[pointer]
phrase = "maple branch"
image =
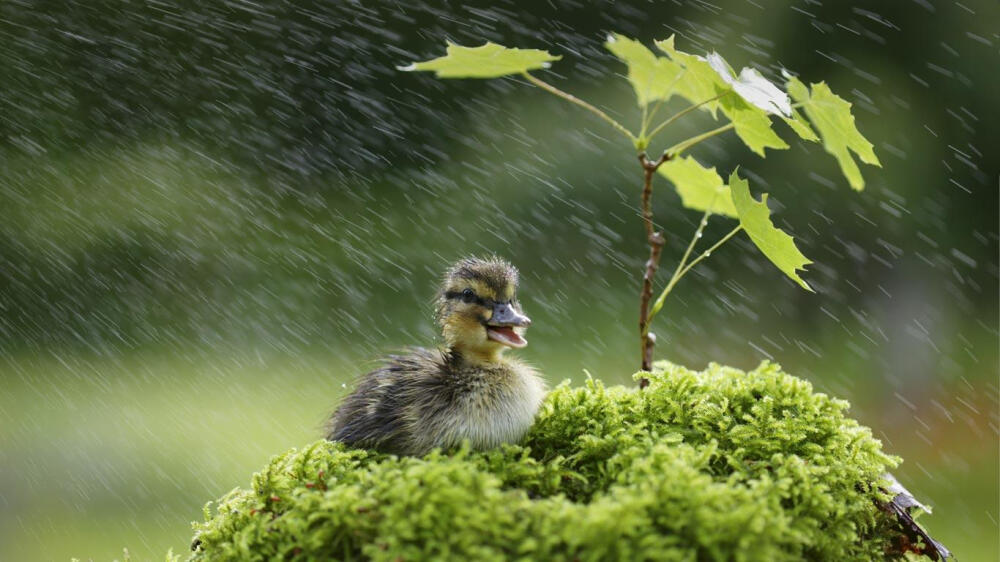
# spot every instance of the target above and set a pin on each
(656, 242)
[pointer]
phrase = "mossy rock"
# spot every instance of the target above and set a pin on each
(712, 465)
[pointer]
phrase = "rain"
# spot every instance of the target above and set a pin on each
(217, 215)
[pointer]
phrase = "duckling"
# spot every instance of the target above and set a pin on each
(465, 391)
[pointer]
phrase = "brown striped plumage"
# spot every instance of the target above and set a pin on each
(465, 391)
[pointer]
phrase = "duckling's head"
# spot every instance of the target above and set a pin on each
(478, 310)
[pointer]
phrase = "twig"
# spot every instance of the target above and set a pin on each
(656, 241)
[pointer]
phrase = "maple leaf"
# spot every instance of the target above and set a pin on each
(652, 77)
(700, 82)
(486, 61)
(831, 116)
(752, 124)
(752, 87)
(698, 186)
(773, 242)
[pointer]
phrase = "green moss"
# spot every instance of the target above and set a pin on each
(713, 465)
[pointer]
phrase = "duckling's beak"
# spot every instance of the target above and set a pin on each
(500, 327)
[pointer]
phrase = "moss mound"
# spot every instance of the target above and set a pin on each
(713, 465)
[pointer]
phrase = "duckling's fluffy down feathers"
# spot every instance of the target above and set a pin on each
(426, 399)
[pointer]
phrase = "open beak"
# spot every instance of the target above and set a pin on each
(500, 327)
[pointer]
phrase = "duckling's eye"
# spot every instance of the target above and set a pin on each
(468, 295)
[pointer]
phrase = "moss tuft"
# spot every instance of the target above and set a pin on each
(712, 465)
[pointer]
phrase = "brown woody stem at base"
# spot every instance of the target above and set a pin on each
(656, 242)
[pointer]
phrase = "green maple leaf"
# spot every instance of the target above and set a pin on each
(752, 124)
(752, 86)
(698, 186)
(799, 124)
(831, 116)
(773, 242)
(700, 82)
(487, 61)
(652, 77)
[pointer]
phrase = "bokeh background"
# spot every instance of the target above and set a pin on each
(215, 215)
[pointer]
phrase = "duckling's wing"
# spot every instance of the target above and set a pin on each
(373, 415)
(369, 416)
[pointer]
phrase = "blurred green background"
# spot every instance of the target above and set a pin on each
(215, 216)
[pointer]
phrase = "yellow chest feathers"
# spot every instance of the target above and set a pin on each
(498, 408)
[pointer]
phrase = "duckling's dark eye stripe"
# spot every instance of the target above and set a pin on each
(459, 295)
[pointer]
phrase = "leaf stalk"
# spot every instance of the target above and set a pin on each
(678, 115)
(683, 267)
(575, 100)
(684, 145)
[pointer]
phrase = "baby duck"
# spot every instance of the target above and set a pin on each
(465, 391)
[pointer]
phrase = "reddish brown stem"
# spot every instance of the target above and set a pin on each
(656, 241)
